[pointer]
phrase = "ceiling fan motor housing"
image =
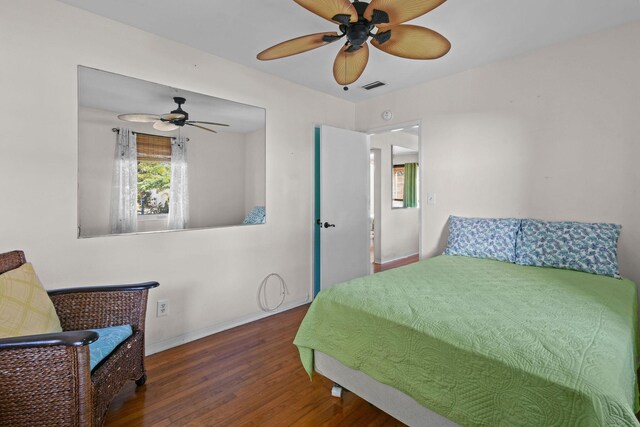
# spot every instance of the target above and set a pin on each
(179, 122)
(358, 32)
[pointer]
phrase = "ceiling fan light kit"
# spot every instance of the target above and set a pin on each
(357, 22)
(171, 121)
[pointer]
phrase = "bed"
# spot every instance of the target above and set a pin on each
(460, 340)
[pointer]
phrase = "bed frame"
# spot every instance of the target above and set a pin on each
(387, 398)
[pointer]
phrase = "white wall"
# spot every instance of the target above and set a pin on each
(254, 191)
(550, 135)
(209, 276)
(96, 155)
(396, 232)
(217, 174)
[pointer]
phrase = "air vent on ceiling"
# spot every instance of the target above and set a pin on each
(373, 85)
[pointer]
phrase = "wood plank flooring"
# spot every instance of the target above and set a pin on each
(394, 264)
(247, 376)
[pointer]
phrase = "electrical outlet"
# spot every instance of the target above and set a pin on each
(163, 308)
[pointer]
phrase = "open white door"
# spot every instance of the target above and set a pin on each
(344, 211)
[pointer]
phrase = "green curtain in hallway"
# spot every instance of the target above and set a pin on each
(410, 181)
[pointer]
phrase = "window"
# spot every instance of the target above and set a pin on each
(154, 174)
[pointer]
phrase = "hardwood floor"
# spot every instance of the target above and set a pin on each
(247, 376)
(394, 264)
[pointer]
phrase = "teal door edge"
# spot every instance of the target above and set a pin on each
(316, 232)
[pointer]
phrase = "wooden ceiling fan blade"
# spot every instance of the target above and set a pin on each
(414, 42)
(201, 127)
(164, 126)
(139, 118)
(400, 11)
(328, 9)
(297, 45)
(206, 123)
(350, 64)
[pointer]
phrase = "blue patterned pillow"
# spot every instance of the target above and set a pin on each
(493, 238)
(257, 215)
(572, 245)
(108, 340)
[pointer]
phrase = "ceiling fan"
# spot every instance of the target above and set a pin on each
(356, 22)
(170, 121)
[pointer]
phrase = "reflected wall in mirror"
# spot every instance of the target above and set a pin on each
(405, 192)
(169, 165)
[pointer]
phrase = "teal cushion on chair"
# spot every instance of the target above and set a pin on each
(109, 339)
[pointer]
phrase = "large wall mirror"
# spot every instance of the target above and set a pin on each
(173, 160)
(404, 174)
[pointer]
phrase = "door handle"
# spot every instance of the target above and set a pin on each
(326, 224)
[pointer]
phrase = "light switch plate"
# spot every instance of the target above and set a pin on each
(431, 198)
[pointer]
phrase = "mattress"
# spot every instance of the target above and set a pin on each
(394, 402)
(483, 342)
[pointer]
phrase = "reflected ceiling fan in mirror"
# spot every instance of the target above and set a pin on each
(357, 21)
(170, 121)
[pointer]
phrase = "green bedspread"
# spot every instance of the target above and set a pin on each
(487, 343)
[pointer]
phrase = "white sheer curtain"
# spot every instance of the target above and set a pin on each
(179, 193)
(125, 184)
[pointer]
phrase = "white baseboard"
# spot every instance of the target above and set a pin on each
(201, 333)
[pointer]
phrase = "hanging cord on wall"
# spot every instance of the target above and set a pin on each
(262, 292)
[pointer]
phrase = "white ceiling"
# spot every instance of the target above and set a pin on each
(480, 31)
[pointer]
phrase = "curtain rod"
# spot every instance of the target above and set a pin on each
(150, 134)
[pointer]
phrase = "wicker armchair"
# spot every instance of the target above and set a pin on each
(46, 379)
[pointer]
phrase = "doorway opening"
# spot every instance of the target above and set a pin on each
(394, 197)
